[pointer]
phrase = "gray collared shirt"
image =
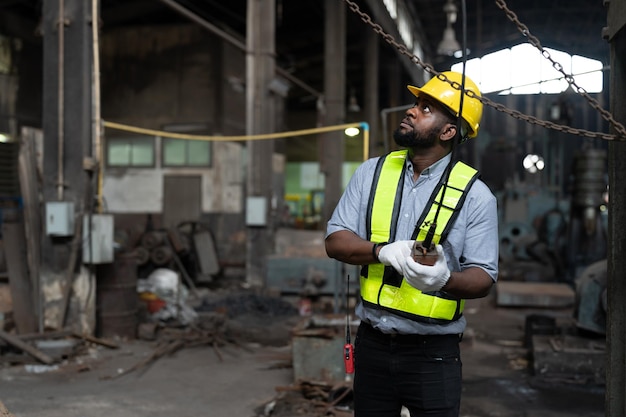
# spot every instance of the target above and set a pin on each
(472, 241)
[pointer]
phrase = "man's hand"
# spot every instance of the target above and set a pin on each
(427, 278)
(395, 254)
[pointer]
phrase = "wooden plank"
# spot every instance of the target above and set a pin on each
(207, 255)
(29, 185)
(68, 282)
(27, 337)
(18, 343)
(19, 281)
(96, 340)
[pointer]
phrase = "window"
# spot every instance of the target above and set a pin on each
(523, 70)
(130, 151)
(186, 153)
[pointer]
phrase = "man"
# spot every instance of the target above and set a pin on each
(407, 345)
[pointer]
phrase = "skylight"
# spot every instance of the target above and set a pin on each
(523, 70)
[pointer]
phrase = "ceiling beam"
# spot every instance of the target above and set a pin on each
(237, 42)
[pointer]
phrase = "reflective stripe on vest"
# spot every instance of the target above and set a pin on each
(382, 287)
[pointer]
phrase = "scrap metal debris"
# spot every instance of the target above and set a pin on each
(212, 331)
(311, 399)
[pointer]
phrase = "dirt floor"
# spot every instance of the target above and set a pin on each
(241, 365)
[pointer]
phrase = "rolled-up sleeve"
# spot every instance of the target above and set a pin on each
(350, 212)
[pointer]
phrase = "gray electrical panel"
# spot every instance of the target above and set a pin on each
(98, 239)
(60, 218)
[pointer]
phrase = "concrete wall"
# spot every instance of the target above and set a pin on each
(171, 75)
(128, 190)
(163, 75)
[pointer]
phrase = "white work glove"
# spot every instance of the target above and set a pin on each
(395, 254)
(427, 278)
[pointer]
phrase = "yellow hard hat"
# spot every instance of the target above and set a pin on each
(450, 97)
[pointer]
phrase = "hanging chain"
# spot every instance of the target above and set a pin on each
(557, 66)
(621, 131)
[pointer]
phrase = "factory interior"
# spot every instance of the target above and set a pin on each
(168, 167)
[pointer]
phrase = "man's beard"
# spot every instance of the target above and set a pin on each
(415, 139)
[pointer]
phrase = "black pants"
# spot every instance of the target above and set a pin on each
(422, 373)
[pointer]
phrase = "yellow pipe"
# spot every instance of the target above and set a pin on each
(153, 132)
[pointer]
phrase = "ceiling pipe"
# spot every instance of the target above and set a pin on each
(61, 100)
(97, 108)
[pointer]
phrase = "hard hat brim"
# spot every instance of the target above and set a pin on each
(416, 91)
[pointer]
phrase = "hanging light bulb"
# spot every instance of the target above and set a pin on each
(353, 104)
(449, 45)
(451, 11)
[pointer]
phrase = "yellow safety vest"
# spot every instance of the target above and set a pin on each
(382, 287)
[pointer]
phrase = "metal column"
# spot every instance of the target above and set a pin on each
(67, 117)
(371, 89)
(260, 117)
(615, 405)
(332, 145)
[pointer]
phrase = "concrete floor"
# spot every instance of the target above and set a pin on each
(193, 382)
(197, 382)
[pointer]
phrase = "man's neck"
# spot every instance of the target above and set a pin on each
(423, 158)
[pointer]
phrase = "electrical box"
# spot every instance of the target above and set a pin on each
(60, 218)
(256, 211)
(98, 238)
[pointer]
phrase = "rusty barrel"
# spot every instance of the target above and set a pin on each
(116, 297)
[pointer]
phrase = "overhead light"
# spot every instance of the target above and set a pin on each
(449, 45)
(450, 9)
(533, 163)
(459, 53)
(353, 105)
(279, 86)
(351, 131)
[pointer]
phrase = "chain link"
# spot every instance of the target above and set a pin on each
(621, 131)
(568, 77)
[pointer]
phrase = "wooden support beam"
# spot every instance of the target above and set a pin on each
(96, 340)
(20, 344)
(19, 280)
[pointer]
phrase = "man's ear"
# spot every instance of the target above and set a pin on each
(448, 132)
